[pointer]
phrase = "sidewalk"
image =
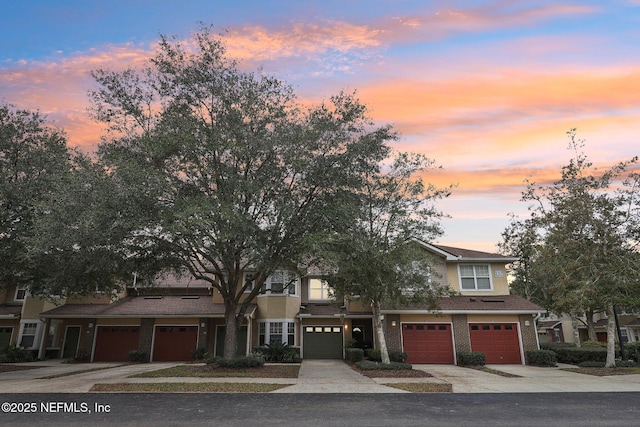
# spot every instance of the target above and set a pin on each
(324, 376)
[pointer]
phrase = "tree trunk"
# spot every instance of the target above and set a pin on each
(231, 334)
(377, 325)
(590, 326)
(576, 332)
(611, 337)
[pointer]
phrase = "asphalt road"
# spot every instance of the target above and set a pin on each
(200, 409)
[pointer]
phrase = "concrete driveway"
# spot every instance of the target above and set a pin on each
(323, 376)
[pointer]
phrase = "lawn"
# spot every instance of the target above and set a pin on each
(187, 387)
(209, 371)
(422, 387)
(11, 367)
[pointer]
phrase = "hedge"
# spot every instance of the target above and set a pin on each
(354, 354)
(541, 358)
(471, 358)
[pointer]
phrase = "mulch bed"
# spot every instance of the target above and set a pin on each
(266, 371)
(11, 368)
(387, 373)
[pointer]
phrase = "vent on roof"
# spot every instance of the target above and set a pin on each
(153, 297)
(492, 299)
(191, 297)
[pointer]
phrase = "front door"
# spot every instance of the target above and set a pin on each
(71, 339)
(5, 336)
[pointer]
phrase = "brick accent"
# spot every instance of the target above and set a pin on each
(146, 336)
(529, 333)
(461, 333)
(392, 333)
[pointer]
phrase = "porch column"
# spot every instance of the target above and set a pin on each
(43, 341)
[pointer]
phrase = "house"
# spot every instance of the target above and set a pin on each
(20, 323)
(560, 329)
(169, 320)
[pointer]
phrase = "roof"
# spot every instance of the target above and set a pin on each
(460, 254)
(10, 311)
(547, 324)
(634, 322)
(328, 310)
(147, 306)
(505, 304)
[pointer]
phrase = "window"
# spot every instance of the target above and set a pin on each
(29, 334)
(275, 332)
(21, 293)
(248, 279)
(319, 290)
(281, 282)
(475, 277)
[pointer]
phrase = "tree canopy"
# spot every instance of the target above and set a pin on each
(579, 247)
(378, 260)
(224, 170)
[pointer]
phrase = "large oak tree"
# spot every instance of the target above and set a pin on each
(225, 170)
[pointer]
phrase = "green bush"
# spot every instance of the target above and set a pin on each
(354, 354)
(577, 355)
(626, 364)
(137, 356)
(369, 365)
(556, 345)
(374, 354)
(475, 358)
(591, 364)
(15, 354)
(633, 350)
(198, 353)
(589, 343)
(541, 358)
(398, 356)
(279, 352)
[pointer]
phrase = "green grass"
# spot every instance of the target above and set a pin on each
(187, 387)
(422, 387)
(200, 371)
(83, 371)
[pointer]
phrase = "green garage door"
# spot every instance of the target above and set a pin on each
(322, 342)
(5, 336)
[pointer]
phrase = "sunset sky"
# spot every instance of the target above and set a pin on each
(488, 89)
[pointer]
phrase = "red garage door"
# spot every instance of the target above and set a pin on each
(173, 343)
(113, 343)
(427, 343)
(499, 342)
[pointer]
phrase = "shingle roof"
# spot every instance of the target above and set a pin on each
(501, 303)
(145, 307)
(323, 310)
(10, 310)
(471, 254)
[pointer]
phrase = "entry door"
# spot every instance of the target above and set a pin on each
(71, 339)
(5, 336)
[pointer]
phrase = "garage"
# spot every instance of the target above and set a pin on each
(499, 342)
(428, 343)
(322, 342)
(173, 343)
(5, 336)
(113, 343)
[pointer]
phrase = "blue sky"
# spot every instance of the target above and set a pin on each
(487, 89)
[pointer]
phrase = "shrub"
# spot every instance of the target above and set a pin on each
(471, 358)
(279, 352)
(594, 344)
(626, 364)
(577, 355)
(556, 345)
(398, 356)
(15, 354)
(368, 365)
(541, 358)
(350, 343)
(591, 364)
(374, 354)
(354, 354)
(239, 362)
(198, 353)
(633, 350)
(137, 356)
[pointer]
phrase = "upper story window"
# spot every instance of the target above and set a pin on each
(319, 290)
(475, 277)
(22, 292)
(281, 282)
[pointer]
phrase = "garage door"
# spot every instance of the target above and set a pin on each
(113, 343)
(428, 343)
(172, 343)
(499, 342)
(322, 342)
(5, 336)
